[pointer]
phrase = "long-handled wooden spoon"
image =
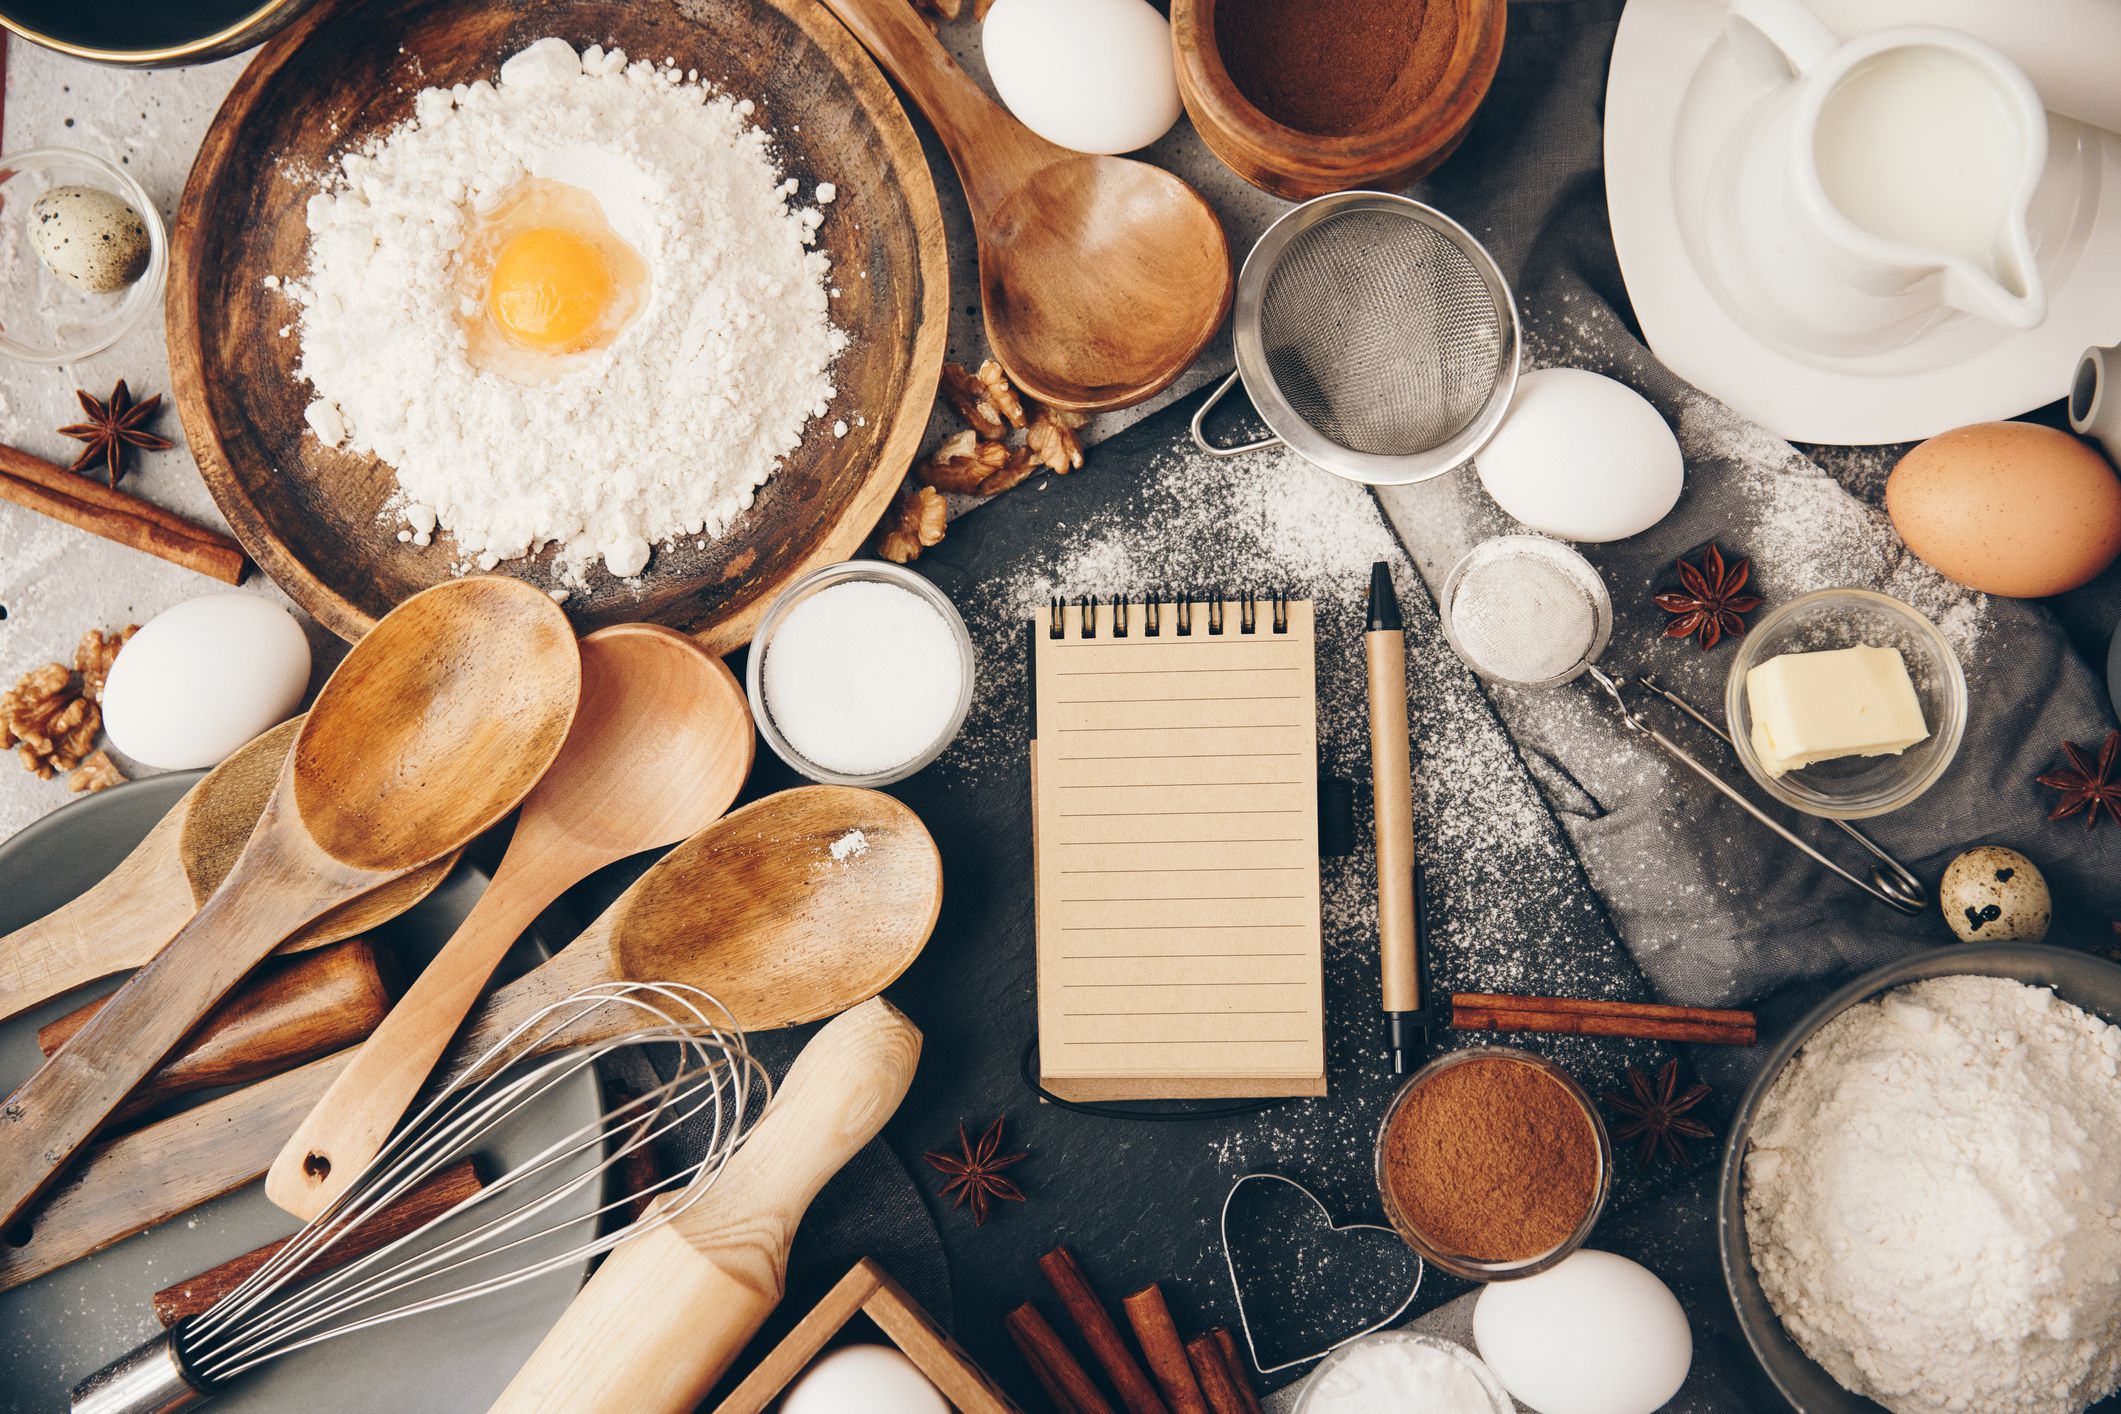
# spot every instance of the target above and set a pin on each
(660, 747)
(1102, 278)
(670, 1310)
(437, 724)
(756, 909)
(139, 906)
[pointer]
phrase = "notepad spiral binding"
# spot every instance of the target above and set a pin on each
(1154, 604)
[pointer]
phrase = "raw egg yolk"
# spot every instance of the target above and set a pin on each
(550, 289)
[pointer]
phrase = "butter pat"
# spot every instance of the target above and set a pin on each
(1812, 707)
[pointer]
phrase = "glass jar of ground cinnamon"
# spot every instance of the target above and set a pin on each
(1493, 1163)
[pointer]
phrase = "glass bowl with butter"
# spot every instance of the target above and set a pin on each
(1845, 703)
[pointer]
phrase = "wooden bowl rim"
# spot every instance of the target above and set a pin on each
(1217, 105)
(909, 419)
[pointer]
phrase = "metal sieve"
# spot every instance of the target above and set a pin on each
(1375, 337)
(1533, 612)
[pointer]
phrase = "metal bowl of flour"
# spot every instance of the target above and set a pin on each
(2082, 979)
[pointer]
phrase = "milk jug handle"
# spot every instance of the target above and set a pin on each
(1778, 37)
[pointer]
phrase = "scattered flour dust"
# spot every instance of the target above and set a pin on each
(1933, 1196)
(665, 433)
(1808, 532)
(852, 845)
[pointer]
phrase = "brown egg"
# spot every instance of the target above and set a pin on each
(2008, 508)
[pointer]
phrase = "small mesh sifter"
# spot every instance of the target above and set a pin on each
(1376, 338)
(1532, 612)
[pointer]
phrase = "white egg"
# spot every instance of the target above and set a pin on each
(1582, 457)
(1596, 1334)
(199, 680)
(1091, 75)
(873, 1378)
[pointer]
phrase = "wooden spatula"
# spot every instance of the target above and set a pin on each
(669, 1311)
(755, 909)
(128, 917)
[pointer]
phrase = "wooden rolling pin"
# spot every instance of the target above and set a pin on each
(291, 1012)
(668, 1313)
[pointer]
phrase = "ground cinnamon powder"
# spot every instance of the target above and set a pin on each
(1335, 67)
(1492, 1159)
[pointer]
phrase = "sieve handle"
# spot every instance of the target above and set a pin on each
(1216, 449)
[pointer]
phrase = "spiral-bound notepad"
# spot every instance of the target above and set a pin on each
(1174, 797)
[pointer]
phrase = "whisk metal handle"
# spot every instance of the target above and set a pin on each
(152, 1379)
(1217, 449)
(671, 1309)
(1903, 892)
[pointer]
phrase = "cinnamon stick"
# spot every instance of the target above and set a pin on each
(1572, 1016)
(52, 490)
(425, 1203)
(1227, 1343)
(1164, 1349)
(1217, 1380)
(1099, 1332)
(1058, 1372)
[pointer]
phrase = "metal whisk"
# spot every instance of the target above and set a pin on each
(513, 1230)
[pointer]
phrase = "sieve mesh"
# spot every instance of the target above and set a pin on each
(1381, 332)
(1524, 610)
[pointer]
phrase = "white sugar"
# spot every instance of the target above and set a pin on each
(861, 677)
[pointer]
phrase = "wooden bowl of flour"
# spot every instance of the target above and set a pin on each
(319, 521)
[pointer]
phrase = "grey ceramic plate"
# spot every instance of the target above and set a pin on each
(2078, 978)
(66, 1325)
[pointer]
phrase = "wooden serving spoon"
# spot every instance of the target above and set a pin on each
(754, 910)
(435, 726)
(670, 1310)
(139, 906)
(660, 747)
(1102, 278)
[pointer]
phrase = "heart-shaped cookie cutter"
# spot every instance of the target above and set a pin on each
(1237, 1289)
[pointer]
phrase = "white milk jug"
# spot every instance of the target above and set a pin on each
(1882, 189)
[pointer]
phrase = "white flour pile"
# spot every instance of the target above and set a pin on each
(665, 433)
(1933, 1196)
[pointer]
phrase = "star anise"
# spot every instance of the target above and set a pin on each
(2087, 786)
(1655, 1115)
(1708, 604)
(112, 427)
(975, 1180)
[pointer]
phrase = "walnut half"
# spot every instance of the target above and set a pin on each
(914, 522)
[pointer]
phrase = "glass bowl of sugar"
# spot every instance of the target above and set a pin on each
(860, 674)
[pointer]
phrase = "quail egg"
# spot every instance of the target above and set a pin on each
(1995, 895)
(90, 238)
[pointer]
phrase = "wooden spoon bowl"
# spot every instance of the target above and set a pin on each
(1085, 239)
(406, 712)
(1102, 278)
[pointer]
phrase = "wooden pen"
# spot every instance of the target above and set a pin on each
(1392, 796)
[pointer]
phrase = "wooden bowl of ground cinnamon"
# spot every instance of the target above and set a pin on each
(1493, 1163)
(1332, 95)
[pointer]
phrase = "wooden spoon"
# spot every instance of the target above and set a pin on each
(1102, 278)
(660, 747)
(670, 1310)
(125, 920)
(435, 726)
(754, 910)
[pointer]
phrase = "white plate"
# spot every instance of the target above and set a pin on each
(1673, 97)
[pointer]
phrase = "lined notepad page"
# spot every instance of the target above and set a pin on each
(1176, 809)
